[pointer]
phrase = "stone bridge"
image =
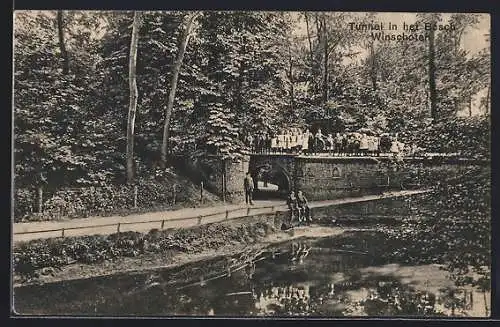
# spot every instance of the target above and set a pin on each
(326, 177)
(330, 177)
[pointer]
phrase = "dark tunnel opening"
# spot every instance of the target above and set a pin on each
(270, 183)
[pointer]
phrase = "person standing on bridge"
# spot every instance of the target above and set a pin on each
(394, 149)
(250, 142)
(363, 145)
(330, 143)
(305, 141)
(262, 143)
(248, 185)
(274, 144)
(338, 143)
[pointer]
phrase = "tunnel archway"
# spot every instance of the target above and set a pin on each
(271, 182)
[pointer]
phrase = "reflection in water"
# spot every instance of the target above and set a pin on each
(299, 251)
(282, 300)
(306, 277)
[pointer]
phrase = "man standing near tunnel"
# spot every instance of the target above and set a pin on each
(303, 204)
(248, 185)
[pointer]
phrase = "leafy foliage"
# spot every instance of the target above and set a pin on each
(451, 226)
(53, 134)
(243, 72)
(31, 257)
(160, 192)
(468, 137)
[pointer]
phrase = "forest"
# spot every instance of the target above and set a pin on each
(105, 98)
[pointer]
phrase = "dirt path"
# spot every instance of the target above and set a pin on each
(182, 218)
(141, 222)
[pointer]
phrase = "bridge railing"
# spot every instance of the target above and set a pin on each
(350, 154)
(422, 156)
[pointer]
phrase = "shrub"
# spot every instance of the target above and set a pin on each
(30, 257)
(106, 200)
(469, 137)
(25, 204)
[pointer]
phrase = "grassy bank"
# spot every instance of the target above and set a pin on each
(48, 256)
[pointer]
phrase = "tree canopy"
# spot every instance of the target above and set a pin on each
(241, 72)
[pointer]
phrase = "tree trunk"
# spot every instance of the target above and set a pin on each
(309, 39)
(40, 199)
(62, 44)
(458, 39)
(290, 76)
(316, 71)
(487, 107)
(486, 310)
(188, 19)
(373, 68)
(133, 97)
(432, 77)
(325, 73)
(470, 106)
(238, 96)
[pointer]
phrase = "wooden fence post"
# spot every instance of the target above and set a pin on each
(135, 196)
(162, 223)
(227, 214)
(201, 192)
(92, 192)
(173, 195)
(224, 184)
(40, 199)
(118, 228)
(62, 232)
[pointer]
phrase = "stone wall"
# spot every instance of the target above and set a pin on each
(330, 178)
(218, 174)
(373, 211)
(398, 207)
(235, 174)
(325, 178)
(321, 178)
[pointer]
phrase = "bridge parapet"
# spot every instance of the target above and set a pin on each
(323, 177)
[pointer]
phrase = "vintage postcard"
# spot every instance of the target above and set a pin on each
(251, 164)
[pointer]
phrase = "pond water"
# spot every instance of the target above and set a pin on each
(308, 276)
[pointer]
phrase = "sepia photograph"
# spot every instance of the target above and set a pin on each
(257, 164)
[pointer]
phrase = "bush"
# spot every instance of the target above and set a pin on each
(25, 203)
(32, 256)
(469, 136)
(83, 202)
(451, 226)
